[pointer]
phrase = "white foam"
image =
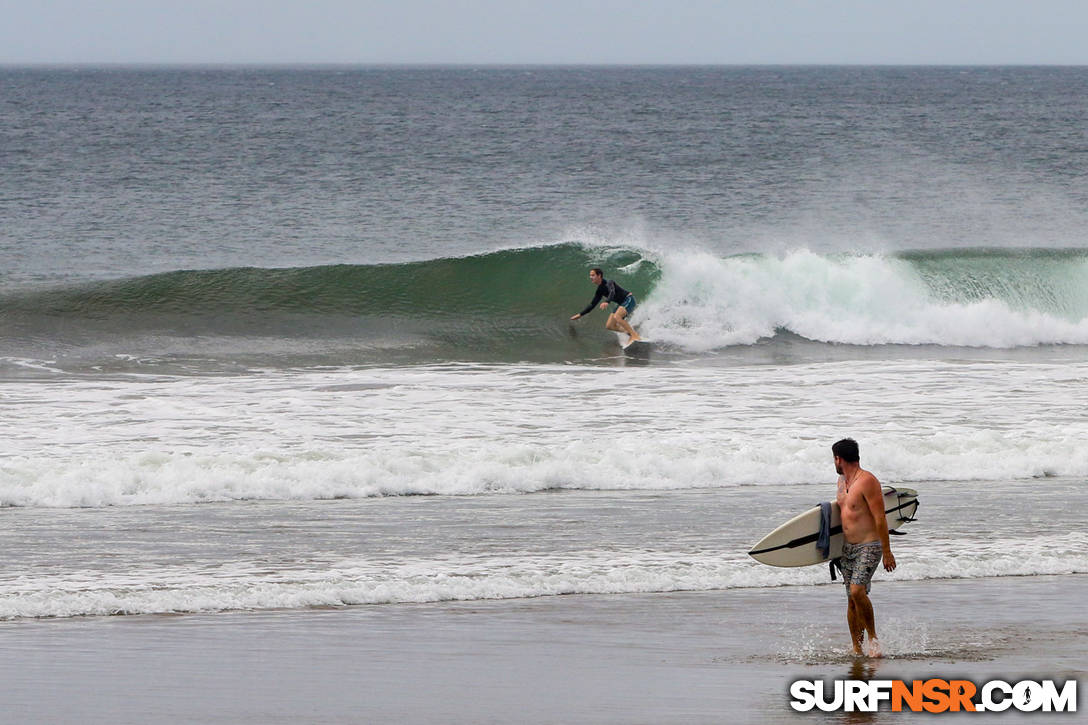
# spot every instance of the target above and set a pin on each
(256, 585)
(48, 366)
(704, 302)
(473, 430)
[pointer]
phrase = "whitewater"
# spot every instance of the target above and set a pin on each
(471, 429)
(474, 481)
(332, 581)
(971, 298)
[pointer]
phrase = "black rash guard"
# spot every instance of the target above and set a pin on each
(608, 291)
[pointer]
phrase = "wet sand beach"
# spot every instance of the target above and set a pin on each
(720, 656)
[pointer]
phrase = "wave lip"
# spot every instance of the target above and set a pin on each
(517, 281)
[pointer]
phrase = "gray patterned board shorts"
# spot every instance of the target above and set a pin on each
(859, 562)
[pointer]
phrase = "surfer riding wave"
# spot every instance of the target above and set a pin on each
(610, 292)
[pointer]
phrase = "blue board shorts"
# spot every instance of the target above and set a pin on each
(859, 563)
(628, 304)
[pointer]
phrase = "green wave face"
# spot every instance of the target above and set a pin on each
(522, 281)
(512, 304)
(1052, 281)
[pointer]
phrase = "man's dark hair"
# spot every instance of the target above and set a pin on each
(597, 271)
(847, 449)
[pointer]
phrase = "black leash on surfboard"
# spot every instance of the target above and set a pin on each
(901, 507)
(913, 511)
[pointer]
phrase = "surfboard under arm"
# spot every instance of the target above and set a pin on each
(794, 542)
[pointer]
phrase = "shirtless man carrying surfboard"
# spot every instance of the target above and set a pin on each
(865, 530)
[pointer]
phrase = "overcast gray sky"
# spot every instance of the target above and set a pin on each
(545, 31)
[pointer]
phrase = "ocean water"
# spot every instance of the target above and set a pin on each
(283, 339)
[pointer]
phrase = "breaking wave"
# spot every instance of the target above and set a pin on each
(515, 304)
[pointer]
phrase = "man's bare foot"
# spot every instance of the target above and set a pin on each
(633, 338)
(875, 650)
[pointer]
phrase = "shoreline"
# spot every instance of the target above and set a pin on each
(686, 657)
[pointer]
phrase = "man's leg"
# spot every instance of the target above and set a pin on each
(857, 626)
(625, 326)
(864, 618)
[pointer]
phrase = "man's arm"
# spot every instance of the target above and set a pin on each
(596, 298)
(874, 497)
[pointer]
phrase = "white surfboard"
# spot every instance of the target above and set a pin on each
(637, 346)
(794, 542)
